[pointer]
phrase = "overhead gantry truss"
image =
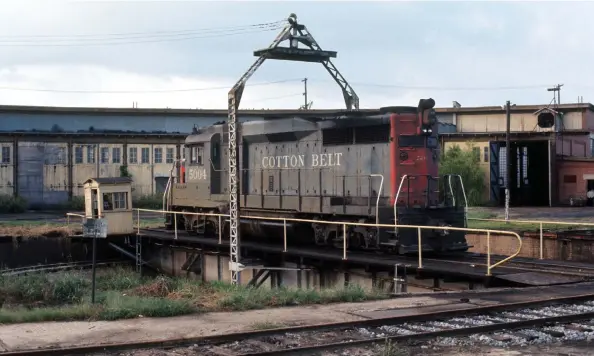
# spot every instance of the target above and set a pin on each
(295, 33)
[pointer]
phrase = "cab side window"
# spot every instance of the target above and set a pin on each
(197, 155)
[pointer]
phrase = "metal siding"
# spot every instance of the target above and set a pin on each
(30, 173)
(6, 172)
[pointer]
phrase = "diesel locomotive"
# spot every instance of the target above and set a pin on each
(377, 167)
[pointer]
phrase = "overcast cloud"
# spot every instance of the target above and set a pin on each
(393, 53)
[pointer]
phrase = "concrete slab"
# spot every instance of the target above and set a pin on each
(539, 278)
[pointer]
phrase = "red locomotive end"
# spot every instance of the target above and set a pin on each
(413, 153)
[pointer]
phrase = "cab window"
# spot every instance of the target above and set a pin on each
(197, 155)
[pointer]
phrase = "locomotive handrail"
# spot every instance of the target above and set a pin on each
(167, 191)
(344, 225)
(379, 194)
(540, 223)
(396, 202)
(463, 194)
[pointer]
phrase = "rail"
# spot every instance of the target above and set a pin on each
(346, 224)
(541, 224)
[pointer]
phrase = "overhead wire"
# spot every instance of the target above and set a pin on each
(205, 29)
(413, 87)
(396, 86)
(226, 87)
(137, 39)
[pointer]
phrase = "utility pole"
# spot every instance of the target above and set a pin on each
(305, 106)
(507, 160)
(557, 88)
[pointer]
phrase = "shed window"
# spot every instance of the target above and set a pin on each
(90, 154)
(133, 155)
(145, 155)
(169, 155)
(115, 201)
(158, 155)
(486, 154)
(115, 155)
(569, 178)
(104, 154)
(5, 154)
(78, 154)
(120, 200)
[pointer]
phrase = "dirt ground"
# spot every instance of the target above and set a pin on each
(63, 334)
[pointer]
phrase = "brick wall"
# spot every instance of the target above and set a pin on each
(566, 249)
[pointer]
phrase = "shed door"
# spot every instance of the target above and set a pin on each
(95, 203)
(494, 171)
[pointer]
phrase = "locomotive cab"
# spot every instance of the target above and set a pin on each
(198, 187)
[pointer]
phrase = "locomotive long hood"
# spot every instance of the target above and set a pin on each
(296, 127)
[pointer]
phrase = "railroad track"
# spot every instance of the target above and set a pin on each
(54, 267)
(524, 264)
(527, 320)
(527, 324)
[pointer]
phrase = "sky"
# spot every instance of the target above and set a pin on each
(114, 53)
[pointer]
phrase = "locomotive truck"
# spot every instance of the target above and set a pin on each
(379, 167)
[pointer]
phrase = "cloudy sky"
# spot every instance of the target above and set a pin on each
(113, 53)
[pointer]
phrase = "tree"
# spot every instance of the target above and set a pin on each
(465, 163)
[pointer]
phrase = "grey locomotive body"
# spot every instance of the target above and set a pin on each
(325, 169)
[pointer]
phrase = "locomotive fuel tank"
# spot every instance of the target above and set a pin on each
(275, 230)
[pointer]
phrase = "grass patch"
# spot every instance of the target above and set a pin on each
(122, 294)
(32, 229)
(10, 204)
(154, 201)
(43, 228)
(514, 226)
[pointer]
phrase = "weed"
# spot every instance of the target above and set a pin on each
(118, 306)
(266, 325)
(69, 287)
(160, 287)
(118, 279)
(62, 313)
(36, 230)
(391, 349)
(121, 293)
(154, 201)
(12, 205)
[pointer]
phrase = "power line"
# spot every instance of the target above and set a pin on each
(278, 97)
(227, 87)
(206, 29)
(395, 86)
(399, 86)
(180, 38)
